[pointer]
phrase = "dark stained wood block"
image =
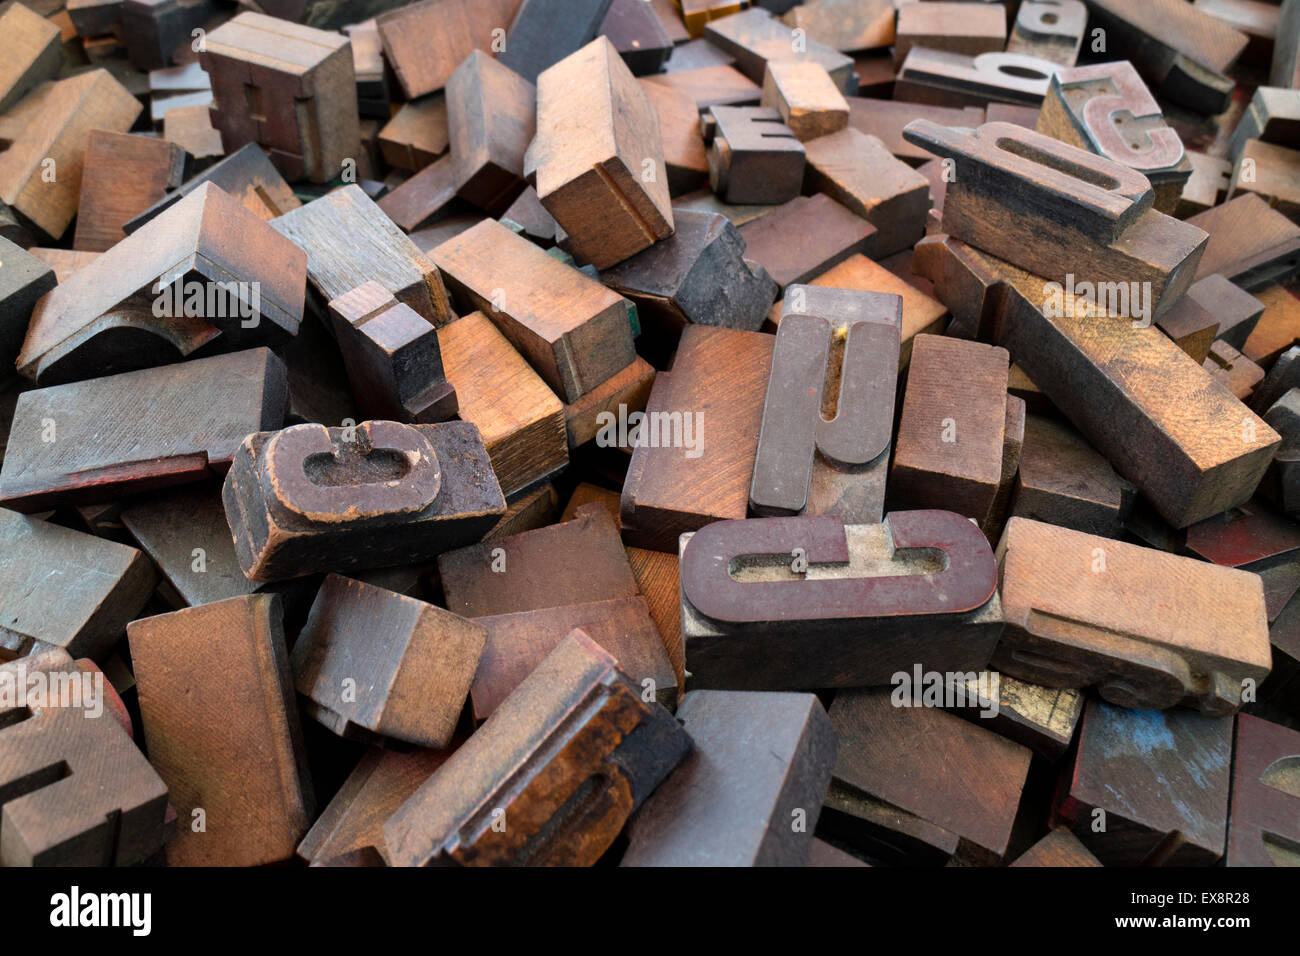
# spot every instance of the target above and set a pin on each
(491, 119)
(1262, 821)
(1059, 848)
(24, 279)
(125, 175)
(753, 157)
(804, 237)
(1049, 29)
(1250, 244)
(755, 37)
(1062, 480)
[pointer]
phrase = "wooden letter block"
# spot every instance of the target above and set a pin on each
(61, 588)
(1273, 116)
(1107, 109)
(755, 38)
(1264, 823)
(287, 87)
(753, 156)
(953, 27)
(518, 416)
(564, 760)
(33, 52)
(491, 119)
(698, 274)
(222, 727)
(410, 664)
(392, 356)
(1283, 480)
(426, 41)
(760, 761)
(1207, 185)
(517, 643)
(598, 159)
(544, 32)
(947, 778)
(311, 498)
(206, 269)
(1250, 244)
(826, 451)
(858, 171)
(1159, 780)
(186, 423)
(753, 617)
(1150, 629)
(804, 237)
(953, 428)
(694, 457)
(573, 331)
(349, 241)
(1238, 374)
(940, 78)
(1013, 187)
(74, 788)
(1062, 480)
(1049, 29)
(1182, 50)
(40, 173)
(808, 100)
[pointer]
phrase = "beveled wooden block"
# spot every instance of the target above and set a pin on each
(750, 792)
(518, 416)
(73, 791)
(576, 720)
(678, 479)
(1150, 629)
(221, 723)
(373, 663)
(349, 241)
(68, 110)
(205, 269)
(311, 498)
(63, 589)
(804, 237)
(808, 100)
(288, 87)
(597, 161)
(187, 421)
(572, 330)
(1149, 788)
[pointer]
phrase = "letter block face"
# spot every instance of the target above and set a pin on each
(802, 603)
(1049, 29)
(753, 156)
(1151, 629)
(553, 775)
(74, 788)
(288, 87)
(1107, 109)
(1264, 823)
(312, 498)
(811, 462)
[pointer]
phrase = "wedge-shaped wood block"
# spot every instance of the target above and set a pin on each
(62, 588)
(350, 831)
(1149, 788)
(370, 662)
(568, 563)
(392, 356)
(519, 417)
(206, 274)
(1049, 29)
(288, 87)
(812, 602)
(751, 790)
(820, 450)
(573, 331)
(73, 444)
(124, 176)
(1189, 446)
(753, 156)
(311, 498)
(693, 460)
(518, 642)
(349, 241)
(1264, 820)
(1060, 211)
(491, 116)
(598, 159)
(1107, 109)
(1150, 629)
(74, 788)
(551, 778)
(944, 780)
(755, 38)
(40, 172)
(222, 728)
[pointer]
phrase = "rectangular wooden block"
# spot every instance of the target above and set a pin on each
(188, 421)
(845, 25)
(1049, 29)
(1271, 172)
(1150, 629)
(679, 131)
(719, 85)
(694, 459)
(417, 134)
(597, 161)
(572, 330)
(576, 720)
(33, 52)
(1262, 822)
(637, 33)
(885, 119)
(24, 279)
(544, 32)
(491, 119)
(1062, 480)
(753, 157)
(755, 37)
(808, 100)
(806, 236)
(221, 722)
(941, 78)
(949, 26)
(426, 41)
